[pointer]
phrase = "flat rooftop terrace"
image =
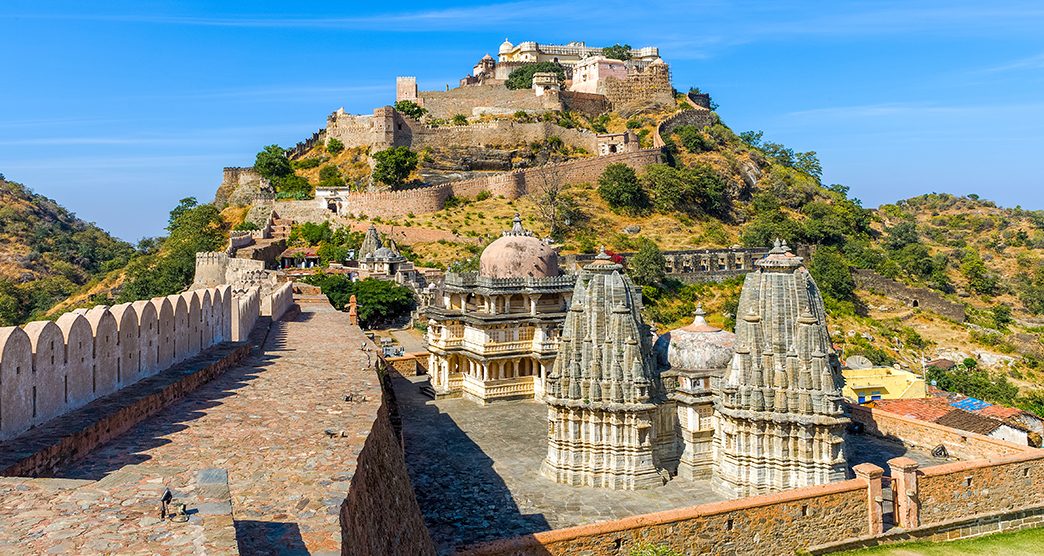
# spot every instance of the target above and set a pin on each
(278, 425)
(475, 471)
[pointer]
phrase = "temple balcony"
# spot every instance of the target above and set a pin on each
(486, 391)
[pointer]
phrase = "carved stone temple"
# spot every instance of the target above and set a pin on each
(608, 425)
(780, 420)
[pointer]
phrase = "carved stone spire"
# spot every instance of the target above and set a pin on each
(780, 413)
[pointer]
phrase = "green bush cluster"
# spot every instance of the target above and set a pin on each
(380, 302)
(522, 77)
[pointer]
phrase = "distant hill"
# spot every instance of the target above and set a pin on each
(47, 253)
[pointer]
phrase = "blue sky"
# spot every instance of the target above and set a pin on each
(119, 109)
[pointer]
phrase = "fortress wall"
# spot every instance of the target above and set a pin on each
(779, 523)
(927, 435)
(698, 116)
(277, 303)
(494, 133)
(465, 100)
(511, 185)
(912, 296)
(352, 130)
(245, 310)
(380, 514)
(48, 369)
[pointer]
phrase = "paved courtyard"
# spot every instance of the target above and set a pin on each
(476, 474)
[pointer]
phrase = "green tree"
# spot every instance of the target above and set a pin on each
(1001, 316)
(411, 109)
(522, 77)
(618, 52)
(693, 139)
(980, 279)
(272, 163)
(831, 273)
(330, 176)
(618, 186)
(690, 190)
(459, 119)
(193, 228)
(380, 302)
(334, 146)
(647, 267)
(394, 165)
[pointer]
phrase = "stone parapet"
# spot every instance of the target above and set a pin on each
(48, 369)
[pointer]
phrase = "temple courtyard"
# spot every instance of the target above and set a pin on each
(476, 471)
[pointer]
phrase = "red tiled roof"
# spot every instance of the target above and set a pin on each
(926, 409)
(1000, 412)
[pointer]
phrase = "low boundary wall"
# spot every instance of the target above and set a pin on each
(779, 523)
(277, 303)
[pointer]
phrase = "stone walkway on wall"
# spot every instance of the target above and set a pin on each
(279, 426)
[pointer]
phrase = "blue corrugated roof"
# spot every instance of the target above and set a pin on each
(970, 404)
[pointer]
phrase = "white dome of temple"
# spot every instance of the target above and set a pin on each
(517, 254)
(698, 346)
(506, 47)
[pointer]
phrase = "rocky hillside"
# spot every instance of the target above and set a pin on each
(47, 253)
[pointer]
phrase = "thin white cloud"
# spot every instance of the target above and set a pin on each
(902, 109)
(1028, 63)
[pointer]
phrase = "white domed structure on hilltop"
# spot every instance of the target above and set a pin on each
(506, 47)
(698, 346)
(517, 254)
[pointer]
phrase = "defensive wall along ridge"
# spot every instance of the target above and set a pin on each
(510, 185)
(49, 368)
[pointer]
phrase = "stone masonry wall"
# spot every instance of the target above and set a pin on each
(912, 296)
(51, 368)
(927, 435)
(780, 523)
(380, 515)
(471, 98)
(966, 488)
(497, 132)
(510, 184)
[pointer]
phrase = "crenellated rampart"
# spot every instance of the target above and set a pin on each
(50, 368)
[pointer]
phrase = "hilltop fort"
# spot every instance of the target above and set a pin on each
(527, 405)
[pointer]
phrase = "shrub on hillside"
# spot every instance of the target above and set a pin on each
(831, 272)
(330, 176)
(693, 139)
(647, 267)
(522, 77)
(459, 119)
(619, 187)
(689, 190)
(334, 146)
(394, 165)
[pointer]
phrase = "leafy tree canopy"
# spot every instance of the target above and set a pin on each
(272, 163)
(334, 146)
(647, 267)
(617, 52)
(411, 109)
(522, 77)
(618, 186)
(380, 302)
(394, 165)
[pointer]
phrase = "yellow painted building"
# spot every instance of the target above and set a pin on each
(882, 383)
